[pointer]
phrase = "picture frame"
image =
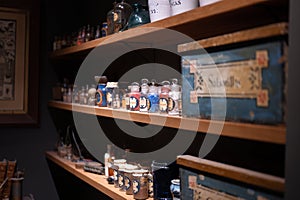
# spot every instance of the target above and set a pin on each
(18, 104)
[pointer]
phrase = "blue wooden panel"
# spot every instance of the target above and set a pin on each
(239, 109)
(241, 191)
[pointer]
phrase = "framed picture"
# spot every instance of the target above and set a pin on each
(14, 68)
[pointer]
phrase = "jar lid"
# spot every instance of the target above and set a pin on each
(175, 181)
(140, 171)
(119, 161)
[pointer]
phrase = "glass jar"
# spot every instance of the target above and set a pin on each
(174, 96)
(144, 102)
(161, 180)
(164, 97)
(134, 97)
(153, 98)
(175, 189)
(138, 17)
(101, 91)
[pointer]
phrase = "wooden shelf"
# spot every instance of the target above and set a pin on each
(212, 20)
(97, 181)
(236, 173)
(264, 133)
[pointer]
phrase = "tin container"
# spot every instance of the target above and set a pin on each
(128, 178)
(116, 166)
(140, 184)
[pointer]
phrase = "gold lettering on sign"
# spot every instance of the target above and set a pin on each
(240, 79)
(202, 192)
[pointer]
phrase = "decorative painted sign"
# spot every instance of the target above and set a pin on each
(240, 79)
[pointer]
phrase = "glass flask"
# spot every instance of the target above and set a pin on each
(139, 16)
(121, 15)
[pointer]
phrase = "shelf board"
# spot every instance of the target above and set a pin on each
(232, 172)
(203, 22)
(264, 133)
(99, 182)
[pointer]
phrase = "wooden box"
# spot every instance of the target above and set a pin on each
(204, 179)
(240, 84)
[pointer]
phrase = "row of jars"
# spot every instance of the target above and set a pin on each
(143, 183)
(164, 98)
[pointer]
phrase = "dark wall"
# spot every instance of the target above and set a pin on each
(27, 145)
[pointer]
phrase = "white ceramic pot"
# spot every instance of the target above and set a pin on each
(159, 9)
(180, 6)
(207, 2)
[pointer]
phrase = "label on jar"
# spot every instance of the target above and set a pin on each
(99, 98)
(144, 102)
(163, 104)
(171, 104)
(109, 99)
(121, 180)
(135, 186)
(134, 103)
(127, 182)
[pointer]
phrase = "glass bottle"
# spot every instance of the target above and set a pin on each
(104, 29)
(138, 17)
(111, 19)
(122, 12)
(82, 95)
(164, 97)
(153, 98)
(101, 91)
(75, 96)
(144, 102)
(116, 101)
(174, 96)
(88, 34)
(134, 97)
(98, 32)
(109, 93)
(91, 95)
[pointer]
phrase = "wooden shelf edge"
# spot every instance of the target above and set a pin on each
(232, 172)
(97, 181)
(272, 30)
(263, 133)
